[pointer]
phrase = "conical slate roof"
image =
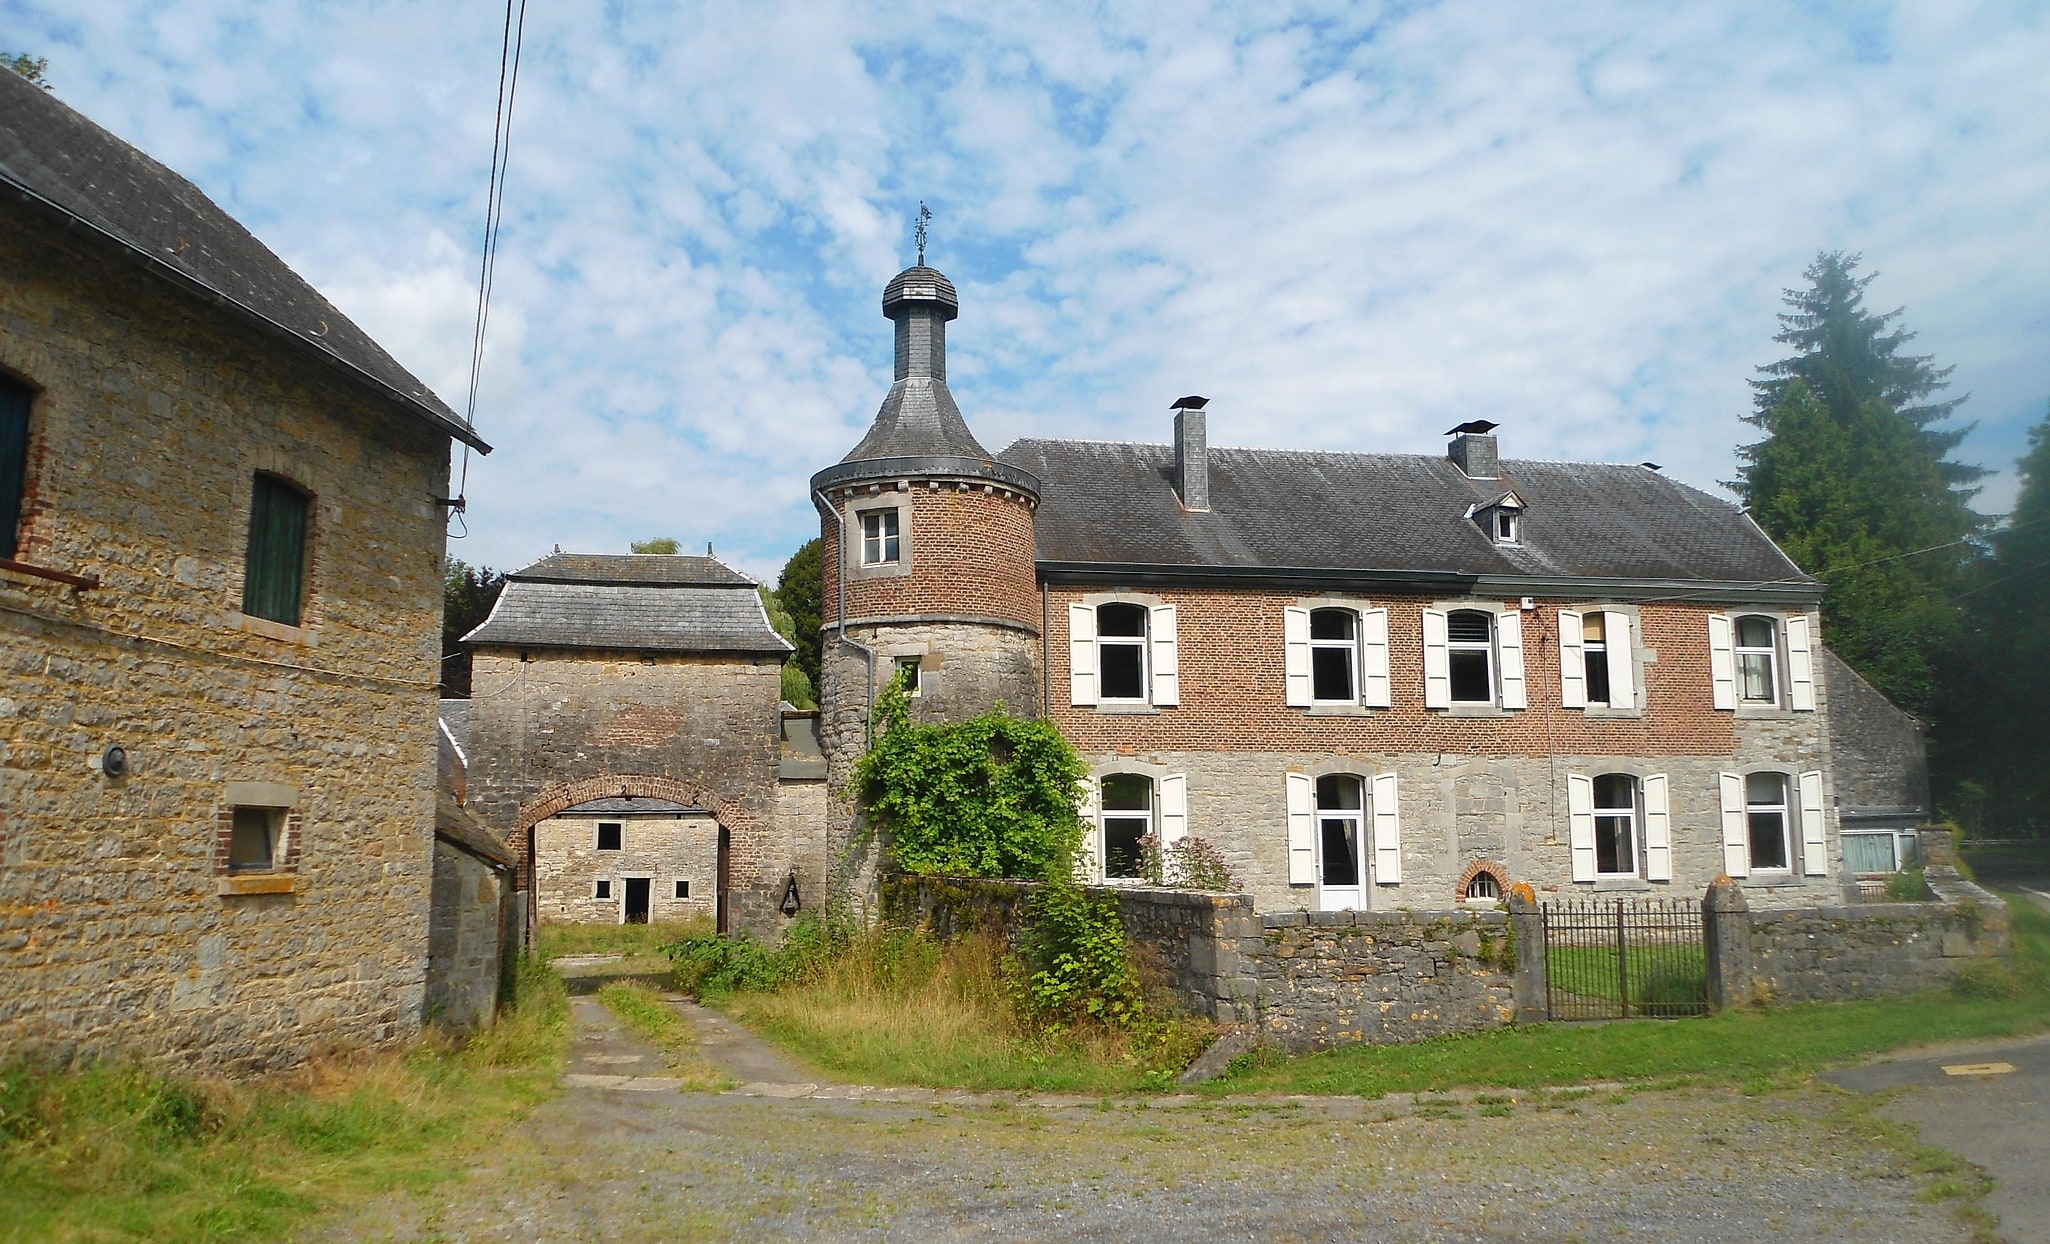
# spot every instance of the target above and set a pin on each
(918, 419)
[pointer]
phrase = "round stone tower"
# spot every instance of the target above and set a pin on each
(928, 557)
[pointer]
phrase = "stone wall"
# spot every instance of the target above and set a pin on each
(665, 849)
(1343, 978)
(1881, 755)
(552, 728)
(466, 954)
(119, 926)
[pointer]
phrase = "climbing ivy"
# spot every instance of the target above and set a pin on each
(993, 796)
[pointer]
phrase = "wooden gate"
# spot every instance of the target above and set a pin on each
(1619, 958)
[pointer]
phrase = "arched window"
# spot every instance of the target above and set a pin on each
(1121, 651)
(1126, 817)
(1334, 656)
(1766, 816)
(1758, 659)
(1341, 803)
(1618, 814)
(1470, 659)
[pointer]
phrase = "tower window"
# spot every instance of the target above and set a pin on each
(880, 543)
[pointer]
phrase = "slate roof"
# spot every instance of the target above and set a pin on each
(455, 718)
(453, 824)
(1113, 504)
(635, 806)
(631, 602)
(918, 419)
(53, 158)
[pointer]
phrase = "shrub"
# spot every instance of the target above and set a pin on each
(718, 963)
(1909, 885)
(1987, 980)
(1080, 967)
(1190, 864)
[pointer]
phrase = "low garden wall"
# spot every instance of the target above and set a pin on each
(1345, 977)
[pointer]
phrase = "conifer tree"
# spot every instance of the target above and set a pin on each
(1853, 479)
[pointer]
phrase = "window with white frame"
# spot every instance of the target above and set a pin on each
(1757, 659)
(1121, 651)
(1594, 647)
(1766, 817)
(1506, 524)
(1341, 807)
(1616, 817)
(1470, 655)
(1597, 659)
(1126, 817)
(880, 542)
(910, 673)
(1334, 656)
(1774, 823)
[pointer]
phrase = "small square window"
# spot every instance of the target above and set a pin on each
(880, 542)
(683, 889)
(603, 889)
(609, 835)
(911, 669)
(253, 844)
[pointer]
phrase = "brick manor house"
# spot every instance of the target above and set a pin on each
(1373, 680)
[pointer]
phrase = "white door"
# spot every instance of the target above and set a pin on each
(1341, 863)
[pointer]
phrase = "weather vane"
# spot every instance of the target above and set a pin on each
(924, 214)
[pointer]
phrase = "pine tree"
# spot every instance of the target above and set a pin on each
(801, 589)
(1853, 480)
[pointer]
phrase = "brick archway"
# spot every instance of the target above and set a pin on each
(1483, 868)
(640, 785)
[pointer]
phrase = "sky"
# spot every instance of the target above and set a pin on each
(1350, 225)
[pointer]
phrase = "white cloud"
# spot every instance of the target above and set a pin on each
(1351, 225)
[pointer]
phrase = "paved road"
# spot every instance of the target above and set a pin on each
(622, 1156)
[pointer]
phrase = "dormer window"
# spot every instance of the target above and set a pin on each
(1505, 526)
(1501, 518)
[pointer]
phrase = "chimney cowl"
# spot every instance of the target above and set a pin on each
(1192, 453)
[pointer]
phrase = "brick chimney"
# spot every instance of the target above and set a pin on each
(1192, 453)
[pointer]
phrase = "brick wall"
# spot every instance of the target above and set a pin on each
(970, 552)
(153, 416)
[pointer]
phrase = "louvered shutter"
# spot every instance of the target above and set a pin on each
(1437, 661)
(1736, 842)
(1088, 865)
(14, 408)
(1081, 655)
(1387, 830)
(1722, 664)
(1302, 830)
(1174, 809)
(1295, 656)
(1658, 829)
(1814, 828)
(1167, 662)
(275, 566)
(1800, 665)
(1580, 825)
(1509, 643)
(1622, 660)
(1572, 661)
(1375, 691)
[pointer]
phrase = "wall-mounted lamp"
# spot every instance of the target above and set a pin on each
(790, 900)
(114, 761)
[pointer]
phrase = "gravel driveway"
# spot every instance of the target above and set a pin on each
(783, 1158)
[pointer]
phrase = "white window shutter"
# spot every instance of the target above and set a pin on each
(1814, 826)
(1580, 825)
(1658, 828)
(1509, 643)
(1081, 655)
(1302, 830)
(1736, 830)
(1387, 830)
(1800, 665)
(1295, 656)
(1375, 691)
(1572, 661)
(1174, 809)
(1088, 864)
(1722, 665)
(1167, 662)
(1437, 661)
(1622, 661)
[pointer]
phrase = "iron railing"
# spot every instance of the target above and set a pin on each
(1619, 958)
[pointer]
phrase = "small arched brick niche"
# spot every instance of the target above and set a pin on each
(1484, 881)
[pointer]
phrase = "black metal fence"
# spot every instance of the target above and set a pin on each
(1618, 958)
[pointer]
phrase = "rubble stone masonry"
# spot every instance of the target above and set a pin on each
(120, 929)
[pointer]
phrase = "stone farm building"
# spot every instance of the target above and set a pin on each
(221, 541)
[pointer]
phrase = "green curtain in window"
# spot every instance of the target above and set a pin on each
(277, 551)
(14, 402)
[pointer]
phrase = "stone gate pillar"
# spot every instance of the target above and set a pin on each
(1726, 934)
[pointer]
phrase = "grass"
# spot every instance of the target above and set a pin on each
(901, 1008)
(639, 943)
(1669, 980)
(1753, 1047)
(127, 1152)
(651, 1019)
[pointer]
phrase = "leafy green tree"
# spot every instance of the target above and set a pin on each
(1990, 763)
(467, 596)
(800, 588)
(31, 67)
(660, 544)
(1852, 479)
(797, 688)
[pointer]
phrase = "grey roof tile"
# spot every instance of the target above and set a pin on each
(455, 718)
(651, 569)
(632, 805)
(50, 152)
(1114, 504)
(454, 824)
(644, 603)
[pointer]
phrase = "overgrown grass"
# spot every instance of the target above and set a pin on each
(1754, 1046)
(123, 1151)
(898, 1007)
(651, 1019)
(636, 941)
